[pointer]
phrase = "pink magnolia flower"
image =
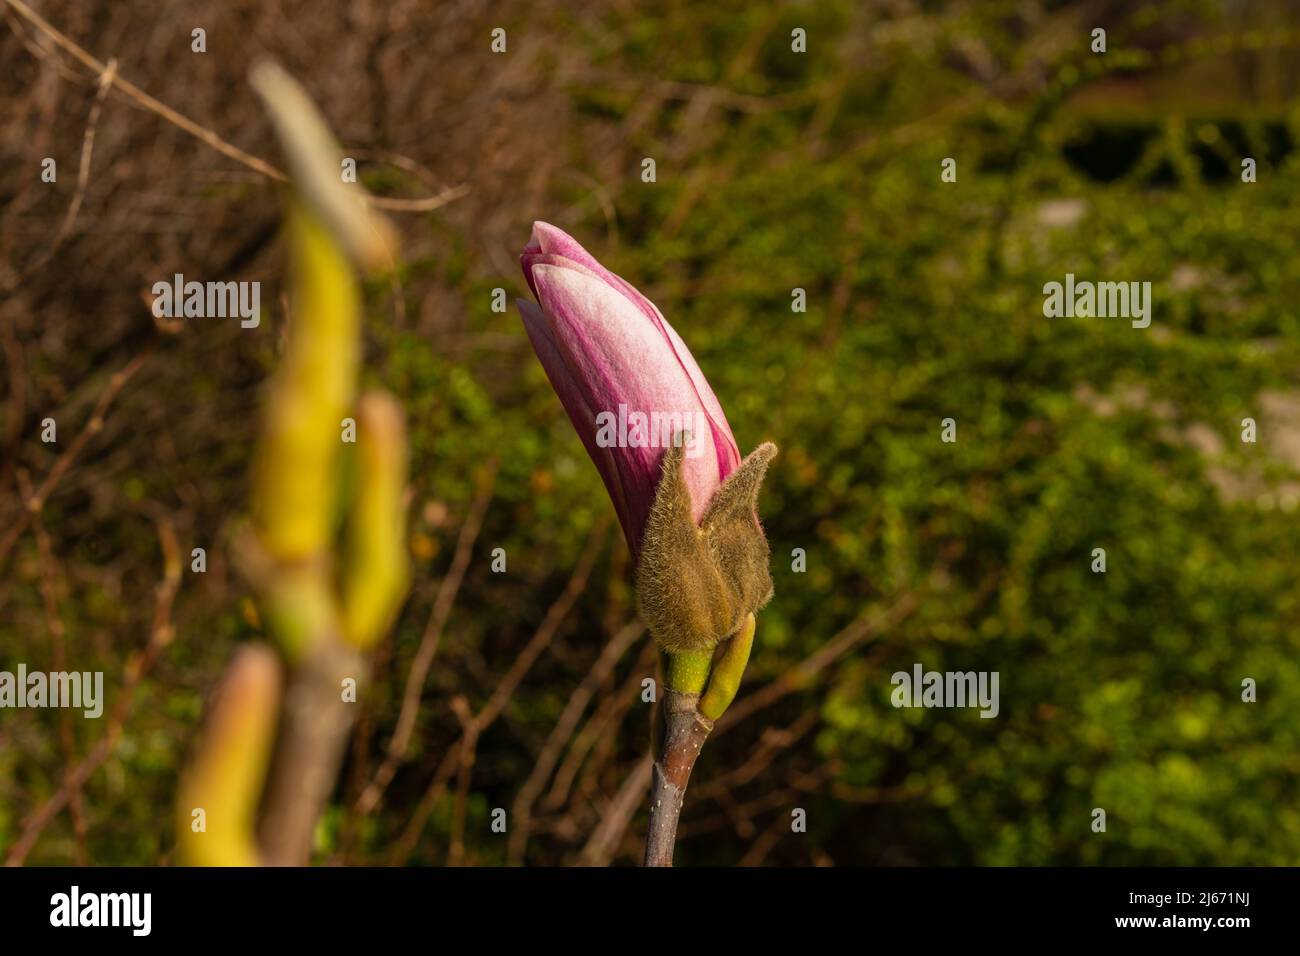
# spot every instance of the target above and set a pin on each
(611, 356)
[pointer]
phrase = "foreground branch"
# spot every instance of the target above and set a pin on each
(314, 728)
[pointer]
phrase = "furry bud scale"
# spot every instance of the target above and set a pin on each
(696, 585)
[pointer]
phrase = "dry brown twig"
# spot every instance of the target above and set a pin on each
(760, 849)
(521, 811)
(772, 742)
(864, 626)
(462, 752)
(17, 386)
(496, 704)
(601, 726)
(202, 133)
(50, 576)
(83, 179)
(603, 844)
(740, 815)
(428, 646)
(464, 772)
(94, 425)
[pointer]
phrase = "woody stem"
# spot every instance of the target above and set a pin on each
(686, 729)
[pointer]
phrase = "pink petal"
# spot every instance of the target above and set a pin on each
(549, 241)
(618, 357)
(575, 404)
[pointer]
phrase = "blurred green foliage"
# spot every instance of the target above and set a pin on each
(1119, 690)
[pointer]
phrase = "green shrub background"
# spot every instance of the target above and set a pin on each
(774, 171)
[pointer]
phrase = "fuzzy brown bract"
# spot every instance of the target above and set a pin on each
(696, 584)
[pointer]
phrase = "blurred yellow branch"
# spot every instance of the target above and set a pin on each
(295, 472)
(321, 623)
(377, 569)
(221, 788)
